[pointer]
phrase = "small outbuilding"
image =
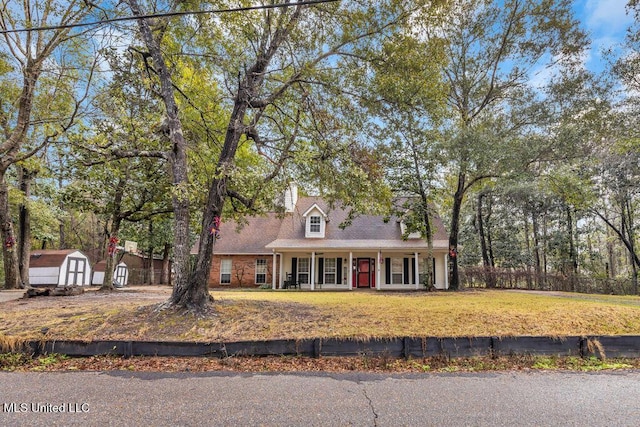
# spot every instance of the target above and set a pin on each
(64, 267)
(120, 273)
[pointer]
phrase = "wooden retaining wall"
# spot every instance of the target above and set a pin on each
(406, 347)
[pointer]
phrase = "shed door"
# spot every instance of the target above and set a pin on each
(121, 274)
(76, 269)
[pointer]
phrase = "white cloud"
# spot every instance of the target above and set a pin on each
(607, 22)
(606, 17)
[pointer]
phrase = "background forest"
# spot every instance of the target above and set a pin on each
(483, 112)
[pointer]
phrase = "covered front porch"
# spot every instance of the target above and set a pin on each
(359, 269)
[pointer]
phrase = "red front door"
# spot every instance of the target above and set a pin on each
(363, 279)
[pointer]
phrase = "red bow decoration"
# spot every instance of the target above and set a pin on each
(9, 243)
(113, 243)
(215, 228)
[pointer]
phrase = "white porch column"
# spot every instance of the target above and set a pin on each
(417, 265)
(378, 268)
(350, 271)
(281, 272)
(446, 271)
(312, 272)
(273, 271)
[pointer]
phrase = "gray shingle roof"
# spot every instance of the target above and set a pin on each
(251, 237)
(365, 231)
(262, 235)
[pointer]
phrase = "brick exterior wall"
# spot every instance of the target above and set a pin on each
(243, 271)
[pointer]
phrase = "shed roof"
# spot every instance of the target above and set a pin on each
(50, 257)
(102, 265)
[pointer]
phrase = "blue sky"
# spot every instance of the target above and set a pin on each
(606, 21)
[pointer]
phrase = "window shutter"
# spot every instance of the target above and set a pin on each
(413, 270)
(294, 269)
(434, 272)
(406, 270)
(387, 270)
(339, 270)
(320, 271)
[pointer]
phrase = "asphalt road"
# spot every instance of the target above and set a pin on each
(217, 399)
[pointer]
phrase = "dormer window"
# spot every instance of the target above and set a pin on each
(315, 222)
(410, 235)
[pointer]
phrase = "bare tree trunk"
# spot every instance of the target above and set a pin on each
(426, 217)
(529, 251)
(487, 260)
(151, 274)
(24, 224)
(112, 232)
(573, 256)
(573, 252)
(536, 251)
(107, 283)
(543, 247)
(165, 275)
(429, 236)
(9, 249)
(215, 201)
(455, 230)
(492, 259)
(629, 228)
(62, 238)
(612, 270)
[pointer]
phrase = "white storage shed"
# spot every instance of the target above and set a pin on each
(120, 273)
(64, 267)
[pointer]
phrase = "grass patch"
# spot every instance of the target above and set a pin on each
(362, 363)
(261, 315)
(588, 364)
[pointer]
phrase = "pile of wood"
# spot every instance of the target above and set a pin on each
(60, 291)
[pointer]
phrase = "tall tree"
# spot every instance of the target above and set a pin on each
(122, 189)
(273, 68)
(493, 47)
(177, 157)
(406, 103)
(31, 54)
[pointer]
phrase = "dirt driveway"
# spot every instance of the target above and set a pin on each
(159, 291)
(10, 295)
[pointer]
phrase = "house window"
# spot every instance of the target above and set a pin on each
(330, 271)
(225, 271)
(261, 271)
(314, 224)
(303, 270)
(397, 271)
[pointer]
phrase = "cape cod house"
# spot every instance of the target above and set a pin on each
(306, 248)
